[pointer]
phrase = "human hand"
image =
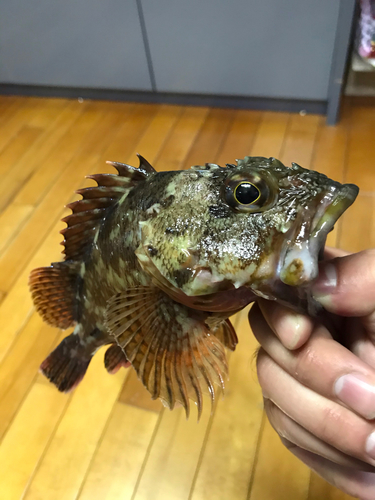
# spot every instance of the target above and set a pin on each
(320, 392)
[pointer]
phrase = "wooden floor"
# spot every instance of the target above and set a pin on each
(108, 440)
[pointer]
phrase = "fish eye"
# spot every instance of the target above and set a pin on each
(249, 192)
(246, 193)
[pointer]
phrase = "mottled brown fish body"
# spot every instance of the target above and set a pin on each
(155, 263)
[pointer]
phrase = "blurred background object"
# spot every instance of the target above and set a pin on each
(361, 77)
(366, 31)
(265, 54)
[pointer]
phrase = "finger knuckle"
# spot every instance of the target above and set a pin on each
(331, 421)
(305, 360)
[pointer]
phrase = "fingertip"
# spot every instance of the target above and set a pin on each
(293, 329)
(346, 285)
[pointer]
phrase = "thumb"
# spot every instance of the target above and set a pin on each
(346, 285)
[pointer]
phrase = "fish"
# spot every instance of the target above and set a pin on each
(157, 262)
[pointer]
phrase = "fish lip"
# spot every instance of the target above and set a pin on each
(300, 257)
(332, 206)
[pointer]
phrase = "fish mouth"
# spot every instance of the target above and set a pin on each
(301, 256)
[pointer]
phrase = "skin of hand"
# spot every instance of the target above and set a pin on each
(319, 385)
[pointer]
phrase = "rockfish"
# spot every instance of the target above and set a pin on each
(156, 263)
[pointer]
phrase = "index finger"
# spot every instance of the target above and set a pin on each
(346, 286)
(323, 365)
(293, 329)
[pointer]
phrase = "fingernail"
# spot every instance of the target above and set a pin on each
(292, 330)
(370, 445)
(357, 394)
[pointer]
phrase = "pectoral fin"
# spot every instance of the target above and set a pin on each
(172, 349)
(224, 331)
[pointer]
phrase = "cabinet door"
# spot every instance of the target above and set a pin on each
(75, 43)
(271, 48)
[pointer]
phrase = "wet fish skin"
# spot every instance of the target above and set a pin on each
(157, 262)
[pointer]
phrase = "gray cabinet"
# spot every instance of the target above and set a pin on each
(72, 43)
(273, 54)
(267, 48)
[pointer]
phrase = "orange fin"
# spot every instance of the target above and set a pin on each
(114, 359)
(89, 212)
(53, 290)
(67, 364)
(172, 349)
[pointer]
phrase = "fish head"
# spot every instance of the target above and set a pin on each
(257, 228)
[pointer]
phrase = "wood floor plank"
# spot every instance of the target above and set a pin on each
(211, 137)
(15, 257)
(5, 103)
(240, 137)
(270, 135)
(17, 462)
(118, 461)
(320, 489)
(155, 136)
(134, 393)
(32, 111)
(73, 444)
(11, 219)
(8, 106)
(358, 225)
(329, 156)
(20, 367)
(48, 109)
(36, 153)
(181, 139)
(228, 457)
(300, 139)
(12, 108)
(139, 127)
(19, 298)
(361, 149)
(171, 463)
(278, 474)
(17, 147)
(50, 167)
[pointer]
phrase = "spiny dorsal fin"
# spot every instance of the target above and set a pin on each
(145, 165)
(53, 290)
(175, 355)
(89, 212)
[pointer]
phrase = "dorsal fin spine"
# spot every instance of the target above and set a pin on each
(87, 213)
(145, 166)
